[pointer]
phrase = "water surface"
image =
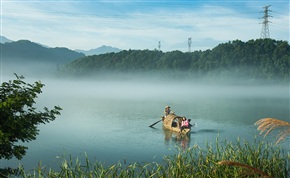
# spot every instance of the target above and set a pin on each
(108, 120)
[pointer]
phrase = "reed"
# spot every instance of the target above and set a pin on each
(243, 160)
(233, 163)
(269, 124)
(265, 125)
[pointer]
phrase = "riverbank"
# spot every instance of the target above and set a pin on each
(219, 159)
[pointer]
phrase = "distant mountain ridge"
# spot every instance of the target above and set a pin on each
(27, 51)
(100, 50)
(25, 57)
(3, 39)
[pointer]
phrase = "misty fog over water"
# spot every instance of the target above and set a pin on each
(109, 119)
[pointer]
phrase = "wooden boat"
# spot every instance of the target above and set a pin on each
(172, 122)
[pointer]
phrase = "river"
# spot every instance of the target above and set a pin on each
(109, 120)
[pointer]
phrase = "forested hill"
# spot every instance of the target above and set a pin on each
(31, 59)
(25, 51)
(255, 59)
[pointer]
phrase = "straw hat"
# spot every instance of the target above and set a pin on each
(167, 107)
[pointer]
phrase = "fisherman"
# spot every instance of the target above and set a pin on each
(167, 111)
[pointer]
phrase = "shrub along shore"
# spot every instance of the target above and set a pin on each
(219, 159)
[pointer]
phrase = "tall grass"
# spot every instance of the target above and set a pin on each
(265, 125)
(269, 124)
(267, 160)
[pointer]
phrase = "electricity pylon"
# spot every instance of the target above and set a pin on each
(265, 33)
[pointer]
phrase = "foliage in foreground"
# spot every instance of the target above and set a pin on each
(269, 160)
(269, 124)
(18, 116)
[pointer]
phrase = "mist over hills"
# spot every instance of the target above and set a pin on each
(265, 59)
(25, 57)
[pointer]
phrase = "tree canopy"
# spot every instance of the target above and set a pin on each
(257, 59)
(18, 116)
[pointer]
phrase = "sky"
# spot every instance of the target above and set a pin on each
(141, 24)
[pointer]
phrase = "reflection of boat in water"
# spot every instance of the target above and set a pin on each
(172, 122)
(179, 139)
(169, 135)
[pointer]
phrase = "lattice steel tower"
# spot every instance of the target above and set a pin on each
(265, 24)
(159, 46)
(189, 44)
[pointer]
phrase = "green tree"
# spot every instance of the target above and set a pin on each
(255, 59)
(18, 116)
